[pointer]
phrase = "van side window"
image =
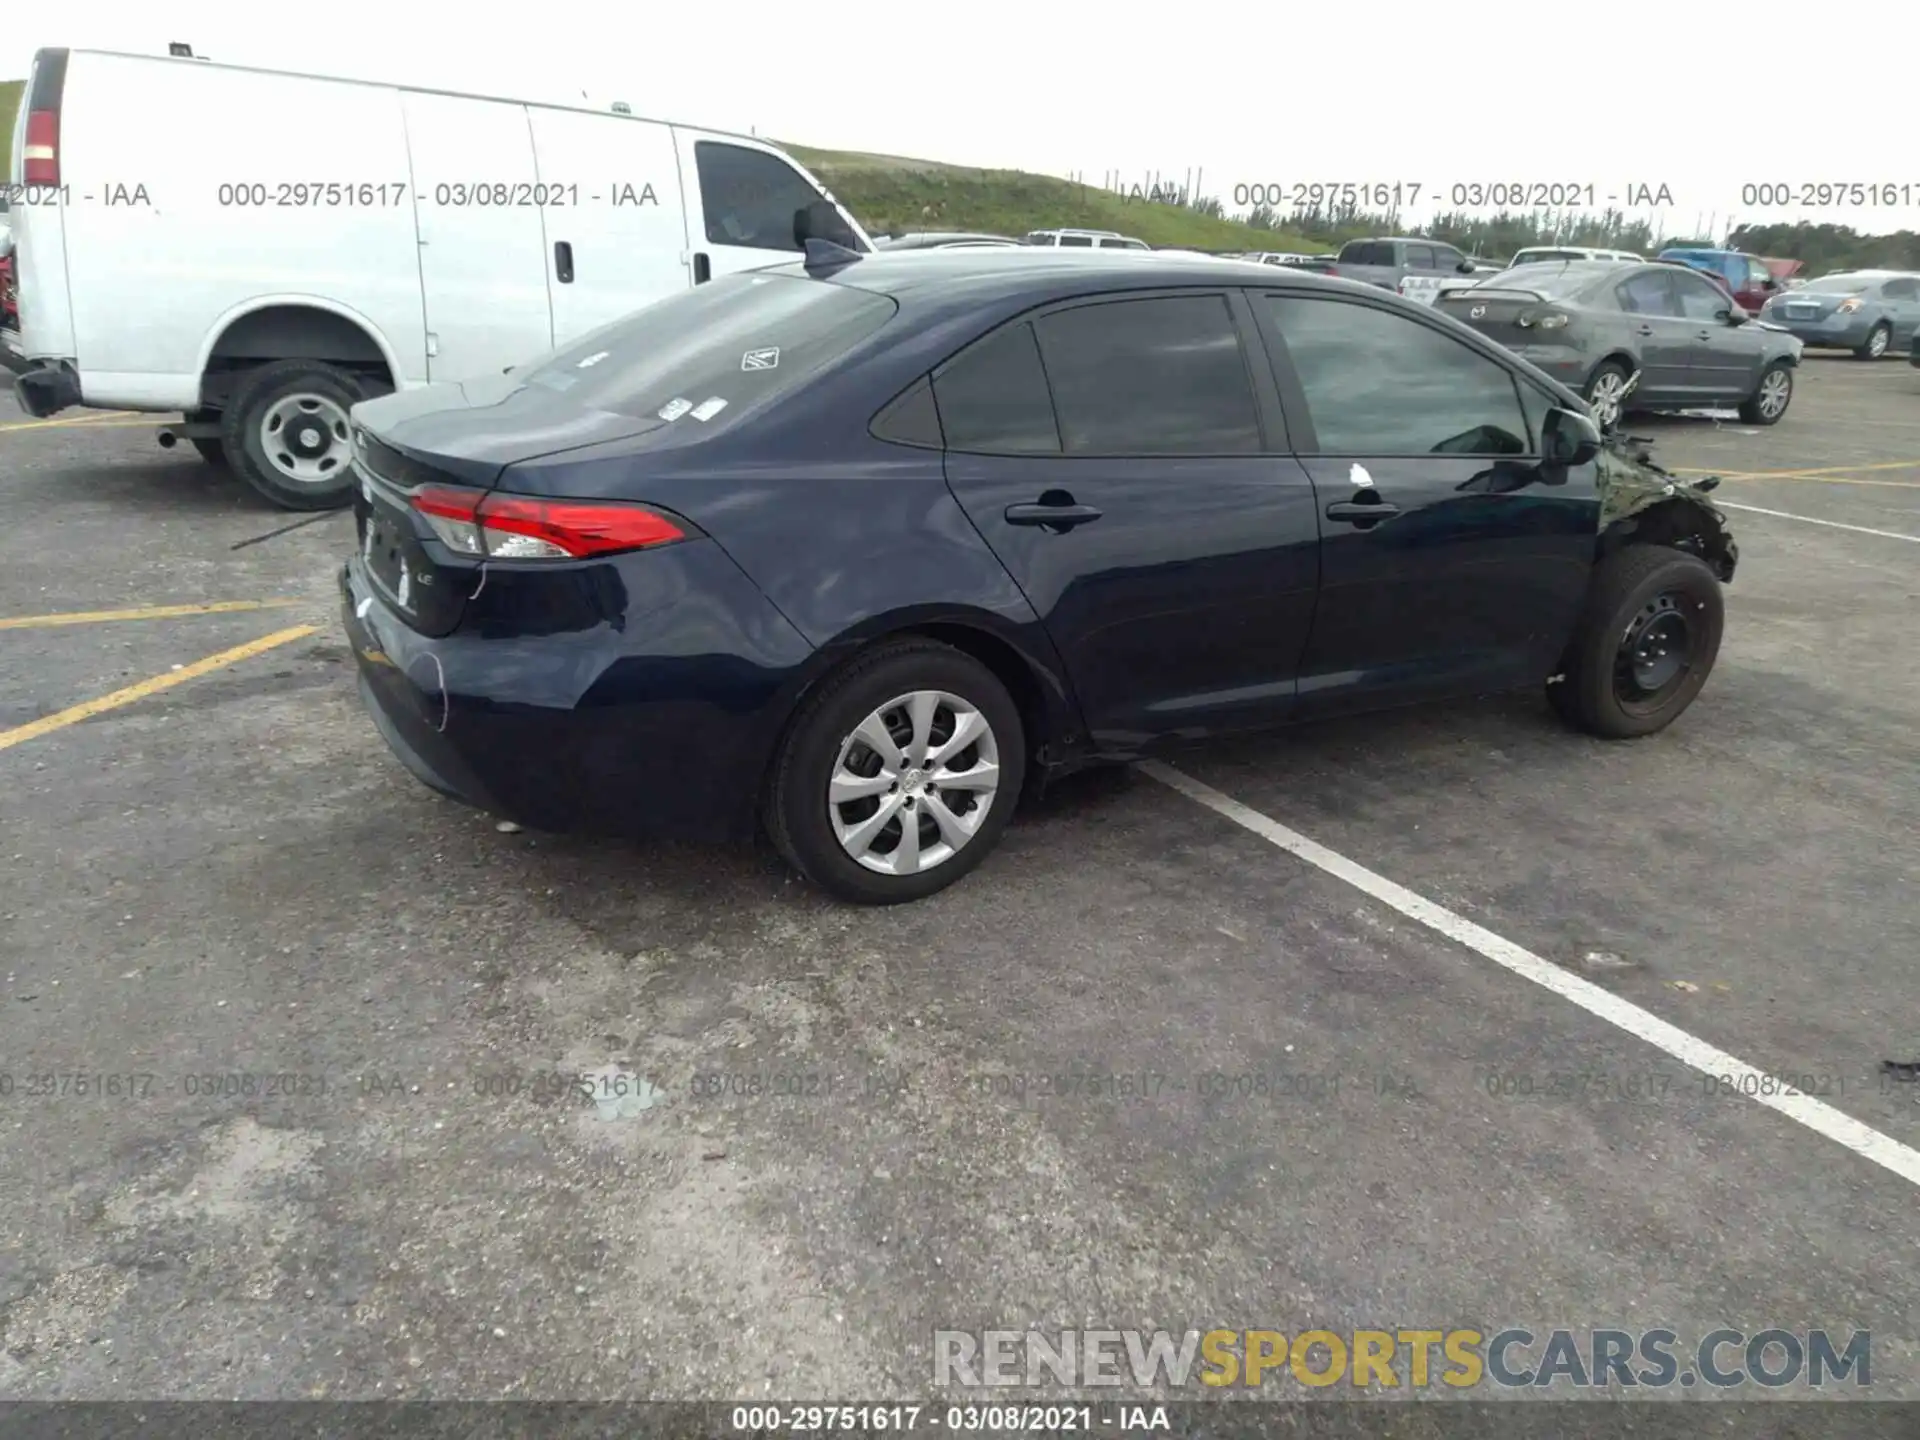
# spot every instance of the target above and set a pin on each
(748, 196)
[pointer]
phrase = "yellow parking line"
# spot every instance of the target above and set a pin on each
(142, 612)
(1833, 480)
(89, 708)
(108, 423)
(1806, 473)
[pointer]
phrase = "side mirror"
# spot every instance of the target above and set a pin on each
(821, 221)
(1465, 267)
(1735, 316)
(1570, 438)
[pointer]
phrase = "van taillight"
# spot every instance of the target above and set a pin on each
(40, 158)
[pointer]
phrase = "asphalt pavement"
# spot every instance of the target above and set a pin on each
(284, 1036)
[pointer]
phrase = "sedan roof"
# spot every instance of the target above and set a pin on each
(1042, 271)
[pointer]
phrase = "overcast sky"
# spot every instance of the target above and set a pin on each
(1699, 99)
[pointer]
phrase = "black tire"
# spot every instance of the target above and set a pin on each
(1881, 334)
(1611, 372)
(1638, 592)
(796, 812)
(254, 399)
(1753, 409)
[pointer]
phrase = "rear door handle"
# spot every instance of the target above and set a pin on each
(563, 262)
(1062, 516)
(1644, 330)
(1360, 514)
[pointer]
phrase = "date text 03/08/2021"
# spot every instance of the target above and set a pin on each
(1307, 194)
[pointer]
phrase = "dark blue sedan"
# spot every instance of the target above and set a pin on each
(858, 548)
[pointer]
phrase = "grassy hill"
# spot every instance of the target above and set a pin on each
(10, 92)
(891, 192)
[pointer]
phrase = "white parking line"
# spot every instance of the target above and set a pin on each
(1830, 524)
(1821, 1118)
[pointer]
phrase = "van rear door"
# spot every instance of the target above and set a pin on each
(483, 244)
(37, 214)
(615, 228)
(741, 200)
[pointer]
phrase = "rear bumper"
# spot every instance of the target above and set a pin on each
(45, 389)
(660, 727)
(1849, 335)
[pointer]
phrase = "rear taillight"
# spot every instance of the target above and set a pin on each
(1847, 307)
(40, 156)
(517, 527)
(1551, 320)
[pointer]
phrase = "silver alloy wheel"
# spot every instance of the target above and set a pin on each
(1605, 399)
(304, 437)
(1877, 342)
(913, 783)
(1774, 393)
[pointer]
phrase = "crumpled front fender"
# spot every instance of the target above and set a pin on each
(1640, 500)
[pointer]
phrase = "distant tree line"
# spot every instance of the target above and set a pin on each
(1822, 248)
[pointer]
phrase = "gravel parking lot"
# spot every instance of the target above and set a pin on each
(339, 1161)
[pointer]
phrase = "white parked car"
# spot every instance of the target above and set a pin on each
(1086, 239)
(1541, 254)
(328, 240)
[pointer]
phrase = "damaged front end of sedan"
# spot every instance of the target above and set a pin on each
(1642, 503)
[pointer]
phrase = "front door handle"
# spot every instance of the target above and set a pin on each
(702, 269)
(1059, 516)
(1361, 514)
(563, 261)
(1644, 330)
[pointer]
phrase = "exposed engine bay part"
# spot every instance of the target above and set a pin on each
(1642, 503)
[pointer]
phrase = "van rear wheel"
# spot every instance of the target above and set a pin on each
(284, 431)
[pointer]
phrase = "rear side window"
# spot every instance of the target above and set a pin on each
(1901, 289)
(1159, 376)
(1085, 240)
(993, 397)
(709, 354)
(1648, 293)
(749, 197)
(1380, 383)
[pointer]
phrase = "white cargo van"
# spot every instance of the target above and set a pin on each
(330, 240)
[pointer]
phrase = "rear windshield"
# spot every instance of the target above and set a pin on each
(721, 347)
(1553, 280)
(1535, 257)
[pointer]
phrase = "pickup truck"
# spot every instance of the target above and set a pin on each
(1388, 262)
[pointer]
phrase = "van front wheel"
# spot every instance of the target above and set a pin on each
(284, 431)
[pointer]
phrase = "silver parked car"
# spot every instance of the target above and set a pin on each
(1870, 312)
(1596, 325)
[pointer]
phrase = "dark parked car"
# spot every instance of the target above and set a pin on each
(857, 548)
(1592, 325)
(1869, 312)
